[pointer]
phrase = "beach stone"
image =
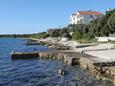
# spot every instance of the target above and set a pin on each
(71, 61)
(98, 77)
(61, 71)
(66, 60)
(104, 78)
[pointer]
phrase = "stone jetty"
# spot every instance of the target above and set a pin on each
(69, 57)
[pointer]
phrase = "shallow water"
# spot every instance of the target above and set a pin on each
(37, 72)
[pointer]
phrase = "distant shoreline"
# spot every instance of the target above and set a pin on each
(15, 36)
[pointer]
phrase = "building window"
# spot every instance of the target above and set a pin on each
(81, 21)
(73, 18)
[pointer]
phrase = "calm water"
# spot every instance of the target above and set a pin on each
(36, 72)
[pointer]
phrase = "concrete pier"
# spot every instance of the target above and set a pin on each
(24, 55)
(69, 57)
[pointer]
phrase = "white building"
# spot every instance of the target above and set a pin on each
(84, 17)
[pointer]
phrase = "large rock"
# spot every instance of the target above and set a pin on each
(61, 71)
(71, 61)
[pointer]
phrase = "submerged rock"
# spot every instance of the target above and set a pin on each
(61, 71)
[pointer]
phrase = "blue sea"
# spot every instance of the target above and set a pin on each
(38, 72)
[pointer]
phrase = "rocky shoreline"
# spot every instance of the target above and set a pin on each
(103, 70)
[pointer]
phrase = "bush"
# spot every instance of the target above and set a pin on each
(88, 36)
(76, 36)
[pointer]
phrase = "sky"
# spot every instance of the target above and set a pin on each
(33, 16)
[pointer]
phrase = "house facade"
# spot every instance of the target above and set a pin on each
(84, 17)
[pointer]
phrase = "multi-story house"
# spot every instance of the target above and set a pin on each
(84, 17)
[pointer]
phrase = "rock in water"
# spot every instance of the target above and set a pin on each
(61, 71)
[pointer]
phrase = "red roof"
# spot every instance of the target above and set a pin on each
(89, 13)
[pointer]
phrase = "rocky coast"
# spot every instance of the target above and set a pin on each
(98, 59)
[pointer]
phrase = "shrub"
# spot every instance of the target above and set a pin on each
(76, 36)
